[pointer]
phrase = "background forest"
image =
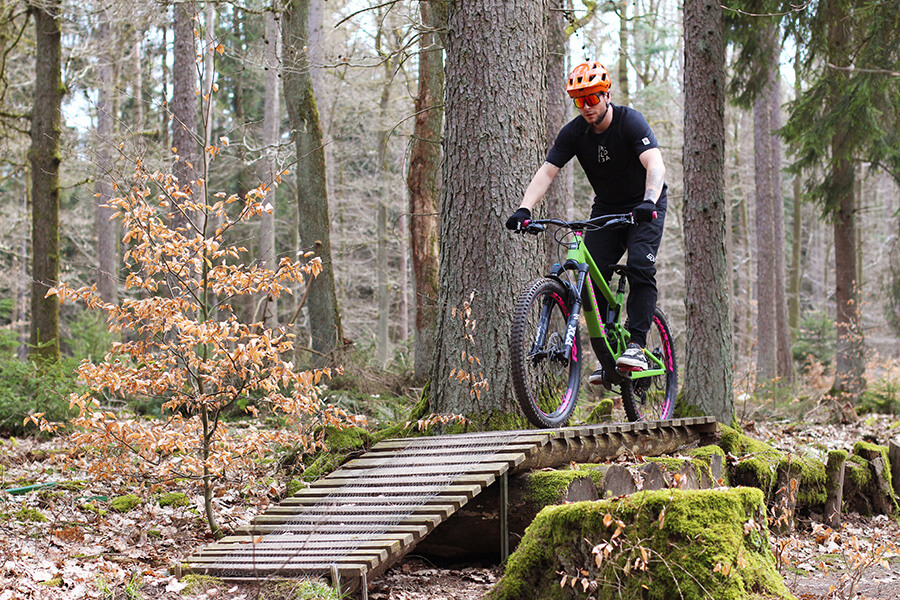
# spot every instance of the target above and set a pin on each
(170, 86)
(230, 229)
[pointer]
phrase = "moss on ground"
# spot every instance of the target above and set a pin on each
(125, 503)
(174, 499)
(697, 544)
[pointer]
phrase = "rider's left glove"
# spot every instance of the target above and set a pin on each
(514, 222)
(645, 211)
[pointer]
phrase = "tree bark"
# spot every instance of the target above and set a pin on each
(558, 201)
(765, 237)
(708, 380)
(44, 156)
(312, 196)
(850, 352)
(105, 228)
(834, 488)
(774, 338)
(490, 152)
(423, 181)
(184, 103)
(269, 164)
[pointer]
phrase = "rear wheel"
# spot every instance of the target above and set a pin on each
(653, 398)
(545, 377)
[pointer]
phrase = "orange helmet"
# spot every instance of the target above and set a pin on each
(588, 78)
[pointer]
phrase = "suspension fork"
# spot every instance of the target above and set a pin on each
(575, 291)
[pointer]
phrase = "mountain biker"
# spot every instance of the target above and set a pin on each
(623, 163)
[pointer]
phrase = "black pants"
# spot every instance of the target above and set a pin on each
(642, 243)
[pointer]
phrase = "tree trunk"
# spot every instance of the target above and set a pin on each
(312, 196)
(269, 164)
(622, 66)
(796, 229)
(184, 102)
(44, 155)
(482, 266)
(382, 287)
(765, 237)
(849, 355)
(424, 184)
(164, 86)
(784, 357)
(105, 228)
(558, 201)
(708, 379)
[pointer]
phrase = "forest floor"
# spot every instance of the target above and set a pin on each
(85, 550)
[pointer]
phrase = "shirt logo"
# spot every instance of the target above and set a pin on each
(646, 141)
(602, 154)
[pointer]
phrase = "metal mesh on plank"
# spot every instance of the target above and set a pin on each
(341, 526)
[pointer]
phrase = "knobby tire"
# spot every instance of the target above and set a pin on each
(545, 380)
(653, 398)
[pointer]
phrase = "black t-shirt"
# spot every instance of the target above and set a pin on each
(609, 159)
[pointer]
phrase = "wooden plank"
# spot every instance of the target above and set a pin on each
(420, 480)
(469, 491)
(457, 501)
(403, 538)
(386, 543)
(453, 449)
(349, 520)
(372, 557)
(497, 464)
(445, 510)
(520, 437)
(426, 461)
(418, 531)
(345, 569)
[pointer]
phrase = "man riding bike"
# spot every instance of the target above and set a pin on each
(623, 163)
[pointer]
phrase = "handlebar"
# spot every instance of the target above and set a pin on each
(600, 223)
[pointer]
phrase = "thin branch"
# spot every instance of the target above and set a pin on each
(864, 70)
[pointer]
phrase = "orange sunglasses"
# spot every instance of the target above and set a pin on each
(589, 100)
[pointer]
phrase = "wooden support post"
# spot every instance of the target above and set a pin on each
(504, 516)
(894, 457)
(336, 579)
(834, 488)
(363, 585)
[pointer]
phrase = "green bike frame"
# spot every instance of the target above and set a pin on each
(609, 337)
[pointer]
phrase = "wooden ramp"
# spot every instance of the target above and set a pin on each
(358, 521)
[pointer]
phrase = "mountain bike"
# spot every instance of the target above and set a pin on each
(545, 338)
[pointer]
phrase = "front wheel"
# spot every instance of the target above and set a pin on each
(653, 398)
(545, 377)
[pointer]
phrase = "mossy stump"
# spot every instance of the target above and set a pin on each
(870, 488)
(655, 545)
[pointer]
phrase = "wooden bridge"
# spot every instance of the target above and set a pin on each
(355, 523)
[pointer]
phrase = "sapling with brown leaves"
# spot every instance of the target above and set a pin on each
(182, 344)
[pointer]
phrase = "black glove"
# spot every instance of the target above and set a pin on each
(514, 222)
(644, 212)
